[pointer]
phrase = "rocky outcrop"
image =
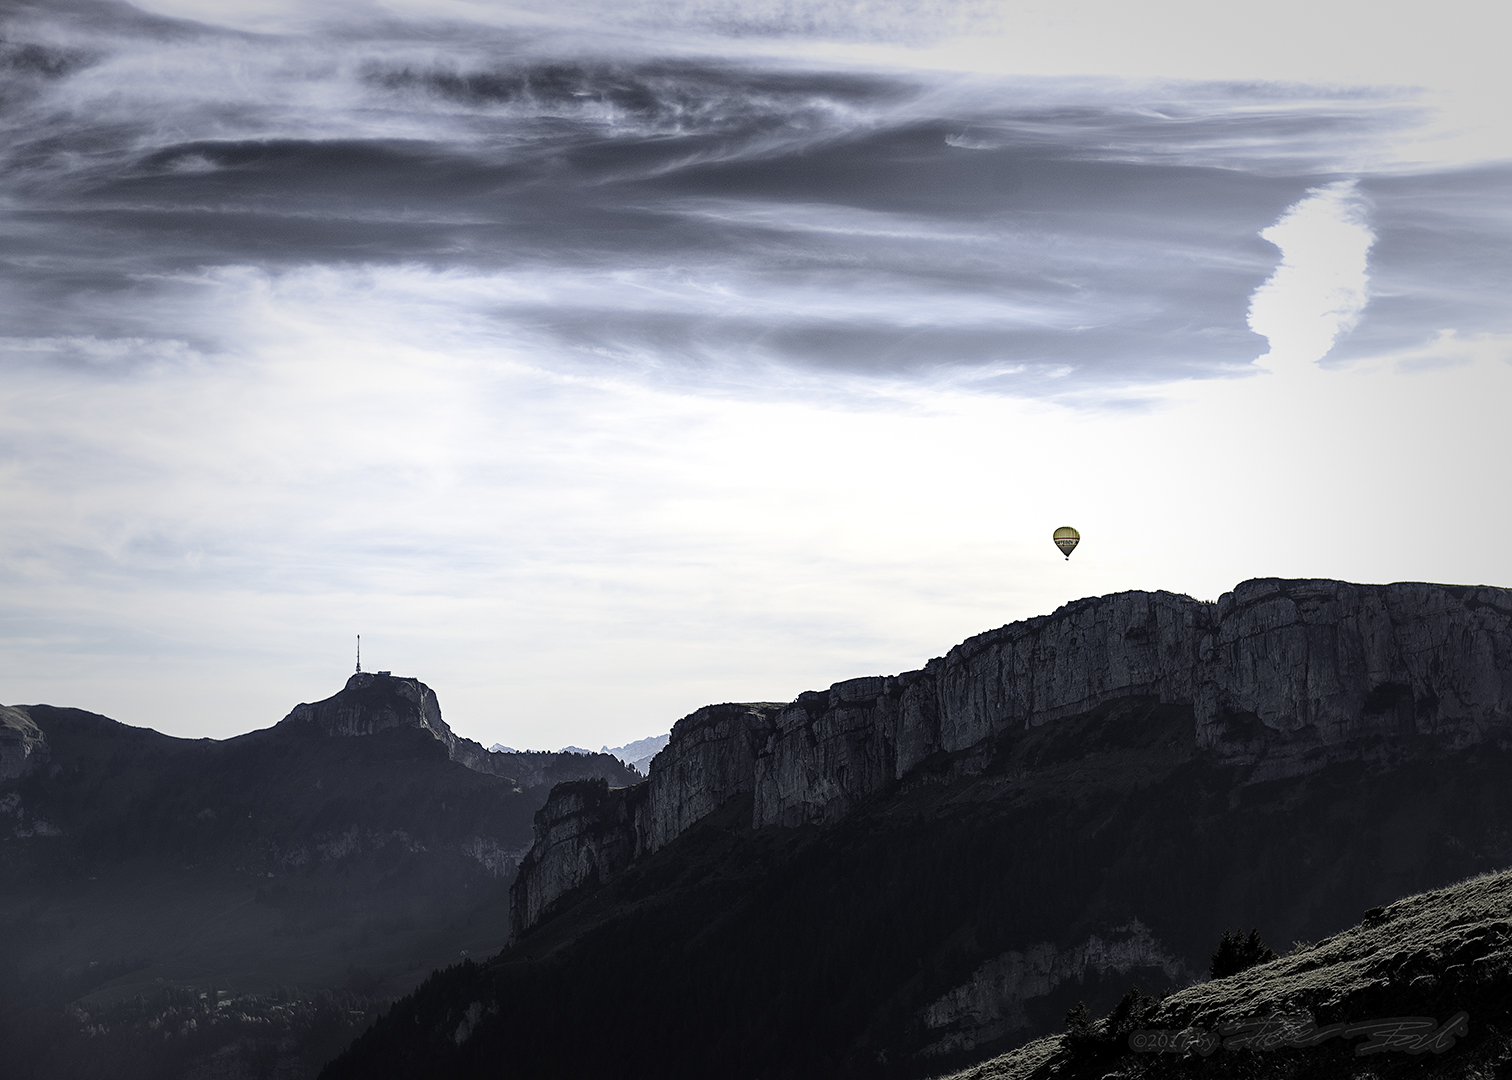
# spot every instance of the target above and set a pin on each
(1324, 661)
(1274, 671)
(585, 834)
(991, 1003)
(370, 703)
(829, 749)
(589, 831)
(373, 702)
(710, 759)
(23, 746)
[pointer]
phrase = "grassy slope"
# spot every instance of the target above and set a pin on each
(1432, 955)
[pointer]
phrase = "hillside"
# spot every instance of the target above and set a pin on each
(908, 872)
(1421, 988)
(287, 862)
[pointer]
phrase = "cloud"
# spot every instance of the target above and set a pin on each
(1086, 236)
(1320, 288)
(1441, 263)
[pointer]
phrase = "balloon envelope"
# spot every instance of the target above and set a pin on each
(1066, 538)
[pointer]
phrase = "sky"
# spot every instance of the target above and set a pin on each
(598, 361)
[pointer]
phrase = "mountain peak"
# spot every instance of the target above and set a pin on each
(372, 702)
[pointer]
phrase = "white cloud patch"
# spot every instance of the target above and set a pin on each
(1321, 286)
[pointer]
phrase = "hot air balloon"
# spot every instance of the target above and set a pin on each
(1066, 538)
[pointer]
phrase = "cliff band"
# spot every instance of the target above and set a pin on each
(1282, 675)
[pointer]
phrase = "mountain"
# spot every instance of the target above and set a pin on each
(638, 754)
(1421, 987)
(905, 873)
(375, 702)
(350, 849)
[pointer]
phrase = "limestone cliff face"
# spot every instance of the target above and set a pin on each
(829, 749)
(710, 759)
(1288, 665)
(589, 831)
(370, 703)
(1326, 661)
(23, 746)
(584, 834)
(1274, 671)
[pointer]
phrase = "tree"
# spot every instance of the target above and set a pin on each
(1236, 952)
(1084, 1037)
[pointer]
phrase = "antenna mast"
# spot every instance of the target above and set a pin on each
(359, 654)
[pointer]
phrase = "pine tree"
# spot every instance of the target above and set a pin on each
(1236, 952)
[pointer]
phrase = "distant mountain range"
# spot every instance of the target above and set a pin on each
(353, 847)
(637, 754)
(905, 874)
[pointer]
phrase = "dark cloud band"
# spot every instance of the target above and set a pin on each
(884, 224)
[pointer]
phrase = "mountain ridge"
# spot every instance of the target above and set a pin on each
(379, 701)
(345, 850)
(1403, 658)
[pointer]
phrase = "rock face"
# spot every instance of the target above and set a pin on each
(371, 702)
(710, 759)
(991, 1003)
(1279, 674)
(1326, 661)
(23, 746)
(638, 754)
(583, 835)
(589, 832)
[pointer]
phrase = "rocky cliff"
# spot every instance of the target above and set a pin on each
(589, 832)
(1280, 676)
(23, 747)
(584, 835)
(991, 1003)
(373, 702)
(370, 703)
